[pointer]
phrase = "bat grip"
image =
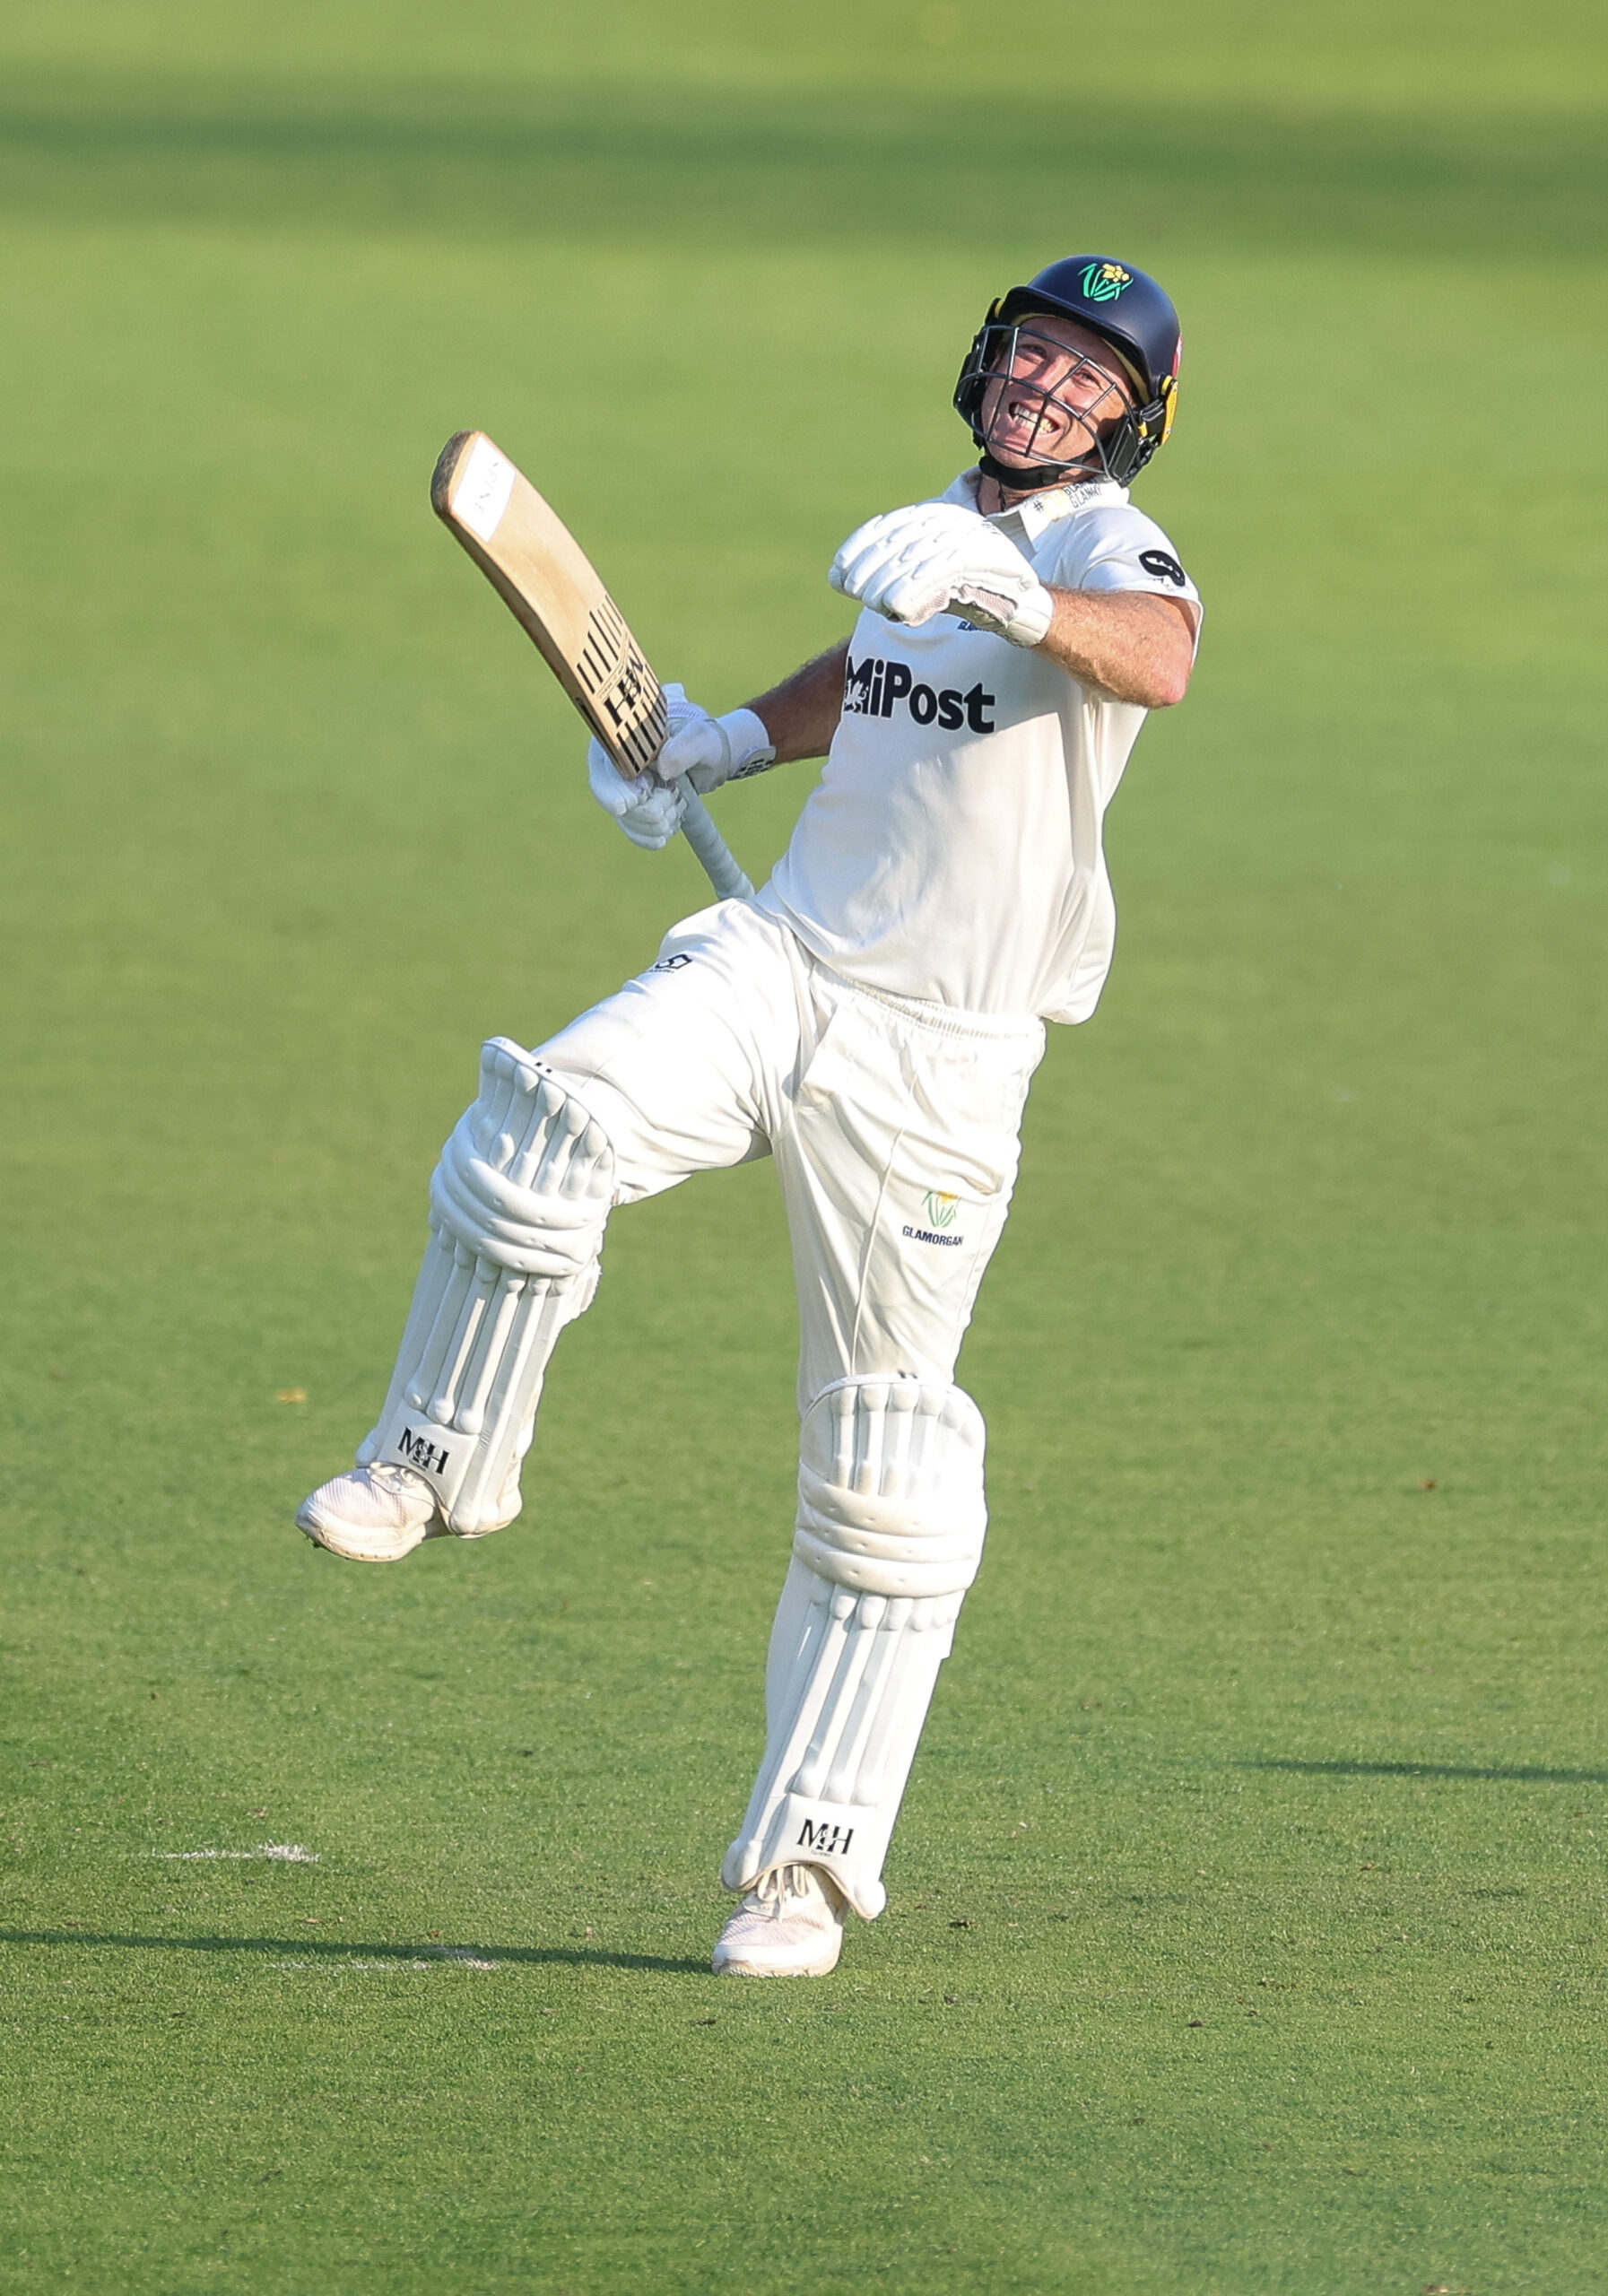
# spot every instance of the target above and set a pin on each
(719, 862)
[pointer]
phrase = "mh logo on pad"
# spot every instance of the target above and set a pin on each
(876, 689)
(831, 1840)
(419, 1451)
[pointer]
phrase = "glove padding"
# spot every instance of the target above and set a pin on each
(700, 753)
(705, 751)
(648, 809)
(937, 558)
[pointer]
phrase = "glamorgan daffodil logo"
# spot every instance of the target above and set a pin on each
(940, 1209)
(1104, 282)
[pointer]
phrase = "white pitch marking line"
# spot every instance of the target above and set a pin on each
(385, 1969)
(291, 1853)
(363, 1968)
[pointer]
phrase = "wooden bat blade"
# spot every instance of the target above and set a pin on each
(549, 585)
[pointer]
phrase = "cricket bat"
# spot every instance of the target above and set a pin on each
(551, 586)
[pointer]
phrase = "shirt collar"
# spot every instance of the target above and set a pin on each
(1034, 512)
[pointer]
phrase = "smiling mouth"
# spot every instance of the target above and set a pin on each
(1022, 413)
(1028, 426)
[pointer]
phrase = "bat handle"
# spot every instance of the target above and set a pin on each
(719, 862)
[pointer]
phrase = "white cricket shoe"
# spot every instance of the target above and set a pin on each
(789, 1924)
(372, 1514)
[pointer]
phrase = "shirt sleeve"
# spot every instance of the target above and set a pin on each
(1118, 548)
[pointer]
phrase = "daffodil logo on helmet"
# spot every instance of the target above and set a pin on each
(1104, 282)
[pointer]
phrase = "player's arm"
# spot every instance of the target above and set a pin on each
(937, 557)
(801, 715)
(1131, 644)
(796, 718)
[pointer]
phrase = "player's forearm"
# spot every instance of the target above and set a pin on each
(801, 715)
(1133, 646)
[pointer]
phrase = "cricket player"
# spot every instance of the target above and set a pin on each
(871, 1018)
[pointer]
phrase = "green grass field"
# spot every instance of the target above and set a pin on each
(1248, 1923)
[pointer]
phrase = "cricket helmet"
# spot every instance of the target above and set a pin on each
(1128, 310)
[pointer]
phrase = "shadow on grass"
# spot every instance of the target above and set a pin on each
(1500, 1773)
(330, 1949)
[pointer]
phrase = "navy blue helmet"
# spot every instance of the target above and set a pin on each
(1075, 409)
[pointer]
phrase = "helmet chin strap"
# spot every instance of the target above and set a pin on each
(1037, 475)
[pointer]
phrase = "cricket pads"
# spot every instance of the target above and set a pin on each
(518, 1204)
(890, 1524)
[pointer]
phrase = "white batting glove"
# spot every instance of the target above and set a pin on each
(706, 751)
(649, 809)
(937, 558)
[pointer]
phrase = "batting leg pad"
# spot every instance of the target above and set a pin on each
(891, 1487)
(890, 1526)
(517, 1207)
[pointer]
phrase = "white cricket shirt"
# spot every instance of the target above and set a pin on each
(951, 847)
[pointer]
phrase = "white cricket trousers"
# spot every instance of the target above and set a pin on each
(894, 1126)
(893, 1122)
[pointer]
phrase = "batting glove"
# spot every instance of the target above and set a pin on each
(937, 558)
(705, 751)
(649, 809)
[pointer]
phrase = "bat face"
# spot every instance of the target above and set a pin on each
(553, 589)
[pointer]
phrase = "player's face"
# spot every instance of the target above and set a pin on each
(1058, 387)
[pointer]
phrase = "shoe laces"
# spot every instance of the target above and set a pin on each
(786, 1889)
(400, 1480)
